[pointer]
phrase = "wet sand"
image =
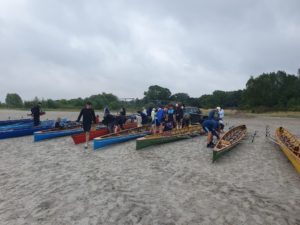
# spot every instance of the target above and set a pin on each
(56, 182)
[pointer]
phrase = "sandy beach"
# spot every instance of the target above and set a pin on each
(57, 182)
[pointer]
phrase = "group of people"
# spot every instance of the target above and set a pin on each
(213, 125)
(167, 118)
(161, 118)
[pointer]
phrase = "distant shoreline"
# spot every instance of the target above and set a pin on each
(228, 112)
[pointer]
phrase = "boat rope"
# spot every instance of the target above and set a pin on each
(269, 136)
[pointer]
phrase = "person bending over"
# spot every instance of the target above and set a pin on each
(210, 127)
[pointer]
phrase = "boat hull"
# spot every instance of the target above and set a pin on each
(143, 143)
(295, 159)
(101, 143)
(22, 132)
(43, 135)
(80, 138)
(222, 148)
(10, 122)
(169, 136)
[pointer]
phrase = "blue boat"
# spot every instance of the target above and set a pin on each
(122, 136)
(19, 132)
(102, 142)
(54, 133)
(20, 125)
(10, 122)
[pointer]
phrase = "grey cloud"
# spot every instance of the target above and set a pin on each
(65, 49)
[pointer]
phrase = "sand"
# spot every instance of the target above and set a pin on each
(56, 182)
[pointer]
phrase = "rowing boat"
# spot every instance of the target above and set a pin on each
(26, 131)
(80, 138)
(290, 145)
(169, 136)
(230, 139)
(19, 125)
(10, 122)
(122, 136)
(69, 129)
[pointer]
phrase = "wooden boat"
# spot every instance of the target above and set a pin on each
(122, 136)
(80, 138)
(19, 132)
(169, 136)
(290, 145)
(230, 139)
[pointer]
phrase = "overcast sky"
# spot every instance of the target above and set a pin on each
(75, 48)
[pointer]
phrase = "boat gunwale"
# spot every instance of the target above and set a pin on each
(124, 132)
(282, 144)
(233, 143)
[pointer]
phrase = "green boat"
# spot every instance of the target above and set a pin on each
(230, 139)
(169, 136)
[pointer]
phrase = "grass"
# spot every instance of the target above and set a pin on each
(246, 113)
(228, 112)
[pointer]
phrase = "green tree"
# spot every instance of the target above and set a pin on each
(13, 100)
(156, 92)
(181, 97)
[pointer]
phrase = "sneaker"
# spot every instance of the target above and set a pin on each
(210, 145)
(85, 146)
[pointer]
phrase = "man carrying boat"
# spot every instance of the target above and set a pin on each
(88, 117)
(210, 127)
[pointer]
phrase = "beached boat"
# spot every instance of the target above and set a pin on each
(290, 145)
(80, 138)
(230, 139)
(122, 136)
(169, 136)
(26, 131)
(10, 122)
(20, 125)
(57, 132)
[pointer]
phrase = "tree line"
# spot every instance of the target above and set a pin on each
(268, 91)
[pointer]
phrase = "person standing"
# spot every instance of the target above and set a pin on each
(221, 117)
(153, 118)
(144, 117)
(159, 119)
(36, 113)
(109, 120)
(179, 116)
(88, 117)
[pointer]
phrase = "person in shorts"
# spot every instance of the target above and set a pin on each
(88, 117)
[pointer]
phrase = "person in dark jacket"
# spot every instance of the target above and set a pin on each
(36, 113)
(88, 117)
(144, 117)
(211, 127)
(109, 120)
(179, 116)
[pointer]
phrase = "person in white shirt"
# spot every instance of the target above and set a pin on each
(221, 115)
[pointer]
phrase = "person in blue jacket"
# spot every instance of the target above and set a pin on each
(159, 119)
(210, 127)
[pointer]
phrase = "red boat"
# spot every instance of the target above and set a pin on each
(80, 138)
